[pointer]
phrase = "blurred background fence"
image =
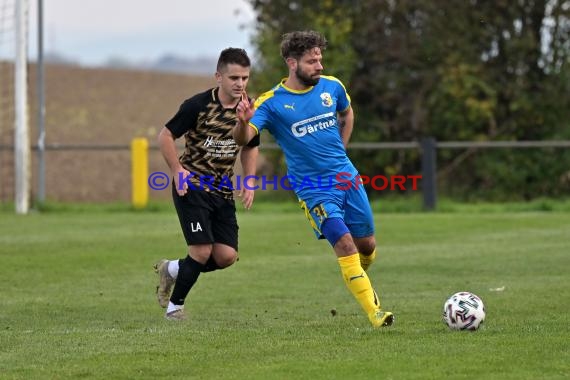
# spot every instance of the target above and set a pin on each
(102, 172)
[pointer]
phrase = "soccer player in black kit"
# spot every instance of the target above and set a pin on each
(201, 188)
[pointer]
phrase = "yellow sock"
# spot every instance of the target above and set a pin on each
(365, 261)
(358, 283)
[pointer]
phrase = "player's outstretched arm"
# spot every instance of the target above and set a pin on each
(242, 132)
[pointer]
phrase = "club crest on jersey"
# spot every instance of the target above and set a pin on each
(326, 99)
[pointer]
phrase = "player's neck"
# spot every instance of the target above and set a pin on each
(227, 101)
(294, 83)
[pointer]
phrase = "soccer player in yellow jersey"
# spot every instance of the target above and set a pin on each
(310, 117)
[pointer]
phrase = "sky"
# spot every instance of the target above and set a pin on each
(92, 31)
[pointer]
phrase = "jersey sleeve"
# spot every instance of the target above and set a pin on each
(343, 99)
(254, 141)
(184, 120)
(262, 117)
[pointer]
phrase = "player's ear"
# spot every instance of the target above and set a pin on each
(291, 63)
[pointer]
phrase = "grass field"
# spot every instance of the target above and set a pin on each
(78, 301)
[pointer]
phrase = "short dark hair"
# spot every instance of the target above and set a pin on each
(233, 55)
(295, 44)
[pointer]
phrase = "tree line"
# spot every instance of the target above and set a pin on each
(457, 70)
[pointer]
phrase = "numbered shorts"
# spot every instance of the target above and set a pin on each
(350, 205)
(206, 218)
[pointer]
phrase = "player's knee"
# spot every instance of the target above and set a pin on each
(201, 253)
(223, 256)
(345, 245)
(365, 245)
(226, 259)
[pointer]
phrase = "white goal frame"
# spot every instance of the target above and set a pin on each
(22, 151)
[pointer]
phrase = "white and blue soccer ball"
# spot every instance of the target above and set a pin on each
(463, 311)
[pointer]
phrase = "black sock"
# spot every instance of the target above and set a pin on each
(188, 272)
(211, 265)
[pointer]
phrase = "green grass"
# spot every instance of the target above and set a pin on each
(286, 202)
(78, 301)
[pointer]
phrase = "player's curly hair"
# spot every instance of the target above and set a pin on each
(233, 55)
(295, 44)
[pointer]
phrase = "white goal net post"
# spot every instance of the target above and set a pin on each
(14, 104)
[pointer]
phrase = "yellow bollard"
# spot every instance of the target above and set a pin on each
(139, 172)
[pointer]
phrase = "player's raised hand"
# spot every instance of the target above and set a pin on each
(244, 109)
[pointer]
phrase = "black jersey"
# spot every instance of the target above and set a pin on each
(211, 151)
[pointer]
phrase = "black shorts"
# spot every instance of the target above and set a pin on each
(206, 218)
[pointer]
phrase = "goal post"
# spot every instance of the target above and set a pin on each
(22, 154)
(15, 148)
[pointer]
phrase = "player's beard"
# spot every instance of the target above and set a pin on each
(305, 78)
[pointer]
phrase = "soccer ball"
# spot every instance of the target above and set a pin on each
(463, 311)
